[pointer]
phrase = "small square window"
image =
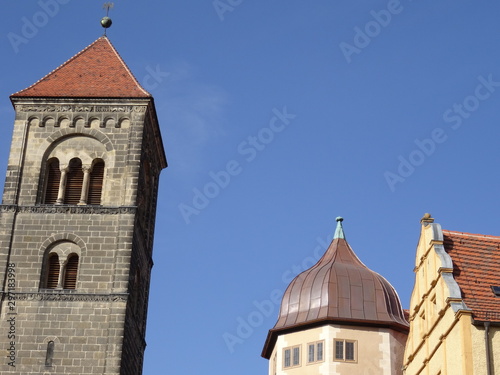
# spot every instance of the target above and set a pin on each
(315, 352)
(496, 290)
(345, 350)
(291, 356)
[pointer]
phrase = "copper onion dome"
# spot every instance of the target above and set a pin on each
(338, 289)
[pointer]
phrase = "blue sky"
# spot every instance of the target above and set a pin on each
(277, 117)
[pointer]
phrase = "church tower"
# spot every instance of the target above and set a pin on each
(338, 317)
(77, 220)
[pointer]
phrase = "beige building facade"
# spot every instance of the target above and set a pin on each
(374, 351)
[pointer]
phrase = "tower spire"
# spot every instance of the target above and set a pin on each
(106, 21)
(339, 231)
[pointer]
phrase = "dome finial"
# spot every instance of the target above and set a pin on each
(339, 231)
(427, 219)
(106, 21)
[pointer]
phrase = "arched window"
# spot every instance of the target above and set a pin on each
(53, 271)
(49, 355)
(74, 182)
(71, 272)
(95, 183)
(77, 184)
(53, 179)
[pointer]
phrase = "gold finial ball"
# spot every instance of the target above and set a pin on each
(427, 219)
(106, 22)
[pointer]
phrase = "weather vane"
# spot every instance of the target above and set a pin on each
(106, 21)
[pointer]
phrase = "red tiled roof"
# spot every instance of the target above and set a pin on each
(476, 265)
(96, 72)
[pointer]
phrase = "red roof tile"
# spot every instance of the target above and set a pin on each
(96, 72)
(476, 265)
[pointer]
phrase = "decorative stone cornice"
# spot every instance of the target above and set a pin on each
(51, 108)
(68, 209)
(67, 296)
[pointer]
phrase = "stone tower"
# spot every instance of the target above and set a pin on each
(338, 317)
(77, 220)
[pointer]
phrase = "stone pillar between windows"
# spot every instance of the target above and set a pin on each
(62, 185)
(60, 276)
(85, 184)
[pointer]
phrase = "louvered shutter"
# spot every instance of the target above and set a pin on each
(53, 271)
(71, 272)
(53, 179)
(95, 183)
(74, 182)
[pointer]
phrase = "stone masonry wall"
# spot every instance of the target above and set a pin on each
(80, 331)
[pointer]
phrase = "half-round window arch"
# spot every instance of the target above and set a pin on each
(61, 266)
(71, 181)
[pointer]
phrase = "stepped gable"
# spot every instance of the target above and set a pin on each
(98, 71)
(338, 289)
(476, 261)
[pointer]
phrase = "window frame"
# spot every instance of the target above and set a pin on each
(60, 271)
(75, 184)
(344, 344)
(315, 345)
(292, 350)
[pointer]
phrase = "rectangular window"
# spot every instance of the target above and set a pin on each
(315, 352)
(349, 351)
(310, 357)
(287, 362)
(345, 350)
(339, 350)
(291, 356)
(319, 351)
(296, 356)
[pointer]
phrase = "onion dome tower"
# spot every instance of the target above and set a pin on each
(338, 317)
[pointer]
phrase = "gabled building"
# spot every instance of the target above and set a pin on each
(455, 304)
(77, 220)
(338, 317)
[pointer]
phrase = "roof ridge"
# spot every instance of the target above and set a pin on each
(124, 65)
(470, 234)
